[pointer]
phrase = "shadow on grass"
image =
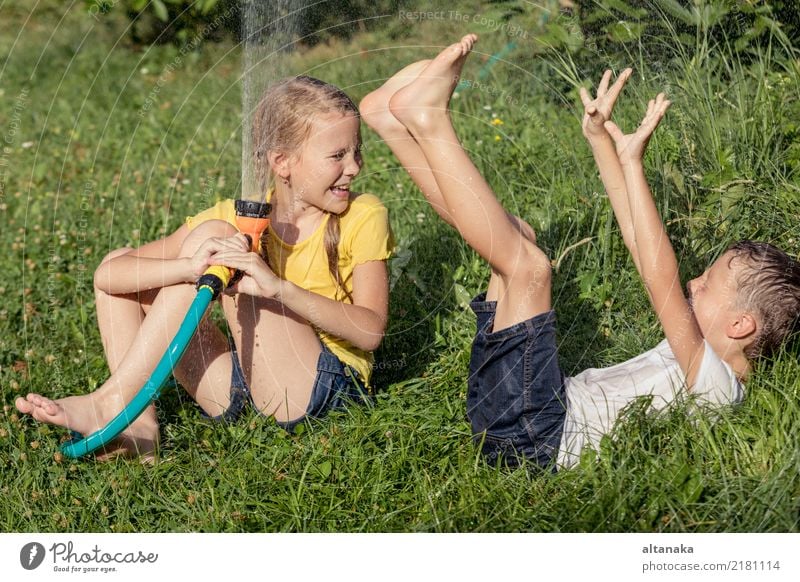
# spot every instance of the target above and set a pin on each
(422, 293)
(426, 272)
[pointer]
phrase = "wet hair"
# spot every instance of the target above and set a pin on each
(769, 286)
(283, 121)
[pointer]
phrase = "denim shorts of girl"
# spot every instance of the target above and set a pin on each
(516, 400)
(335, 386)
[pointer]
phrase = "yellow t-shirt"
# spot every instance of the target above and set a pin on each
(365, 235)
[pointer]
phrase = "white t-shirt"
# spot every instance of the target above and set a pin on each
(596, 396)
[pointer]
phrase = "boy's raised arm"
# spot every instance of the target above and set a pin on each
(657, 265)
(596, 112)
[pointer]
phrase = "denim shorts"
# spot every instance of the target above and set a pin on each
(516, 400)
(335, 386)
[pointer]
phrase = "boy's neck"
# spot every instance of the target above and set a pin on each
(732, 353)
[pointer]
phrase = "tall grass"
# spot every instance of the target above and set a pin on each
(105, 170)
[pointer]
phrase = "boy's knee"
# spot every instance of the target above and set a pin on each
(523, 227)
(534, 265)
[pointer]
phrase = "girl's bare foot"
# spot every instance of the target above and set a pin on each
(374, 108)
(421, 104)
(89, 413)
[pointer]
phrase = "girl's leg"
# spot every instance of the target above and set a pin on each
(119, 318)
(278, 352)
(522, 271)
(134, 342)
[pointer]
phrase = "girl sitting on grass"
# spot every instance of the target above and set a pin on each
(308, 312)
(519, 403)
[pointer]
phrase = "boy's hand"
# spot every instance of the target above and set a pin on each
(598, 110)
(631, 147)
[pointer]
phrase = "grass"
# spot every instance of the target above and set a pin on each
(109, 146)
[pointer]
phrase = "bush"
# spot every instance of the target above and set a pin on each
(186, 21)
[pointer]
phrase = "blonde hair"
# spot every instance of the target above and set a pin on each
(282, 122)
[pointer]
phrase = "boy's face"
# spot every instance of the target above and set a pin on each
(713, 295)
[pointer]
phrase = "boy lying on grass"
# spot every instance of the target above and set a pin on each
(518, 401)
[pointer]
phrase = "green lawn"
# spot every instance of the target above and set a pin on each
(105, 145)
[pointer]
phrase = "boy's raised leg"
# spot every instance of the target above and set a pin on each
(521, 270)
(374, 109)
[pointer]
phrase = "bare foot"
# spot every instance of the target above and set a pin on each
(374, 108)
(422, 102)
(91, 412)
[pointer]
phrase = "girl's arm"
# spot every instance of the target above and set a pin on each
(151, 266)
(362, 323)
(158, 264)
(596, 112)
(658, 265)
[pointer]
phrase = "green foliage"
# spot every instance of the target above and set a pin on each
(179, 21)
(342, 19)
(663, 33)
(196, 21)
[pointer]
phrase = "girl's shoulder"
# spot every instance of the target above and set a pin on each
(364, 201)
(362, 207)
(222, 210)
(366, 234)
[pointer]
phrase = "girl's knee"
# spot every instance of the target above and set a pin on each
(99, 272)
(115, 253)
(204, 231)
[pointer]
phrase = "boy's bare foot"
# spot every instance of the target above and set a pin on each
(89, 413)
(374, 108)
(423, 102)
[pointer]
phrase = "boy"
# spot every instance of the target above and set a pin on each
(518, 401)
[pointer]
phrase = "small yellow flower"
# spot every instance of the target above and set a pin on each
(497, 138)
(497, 121)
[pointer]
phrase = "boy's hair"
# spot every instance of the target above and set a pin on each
(283, 121)
(768, 285)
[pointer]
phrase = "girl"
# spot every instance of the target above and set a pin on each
(310, 309)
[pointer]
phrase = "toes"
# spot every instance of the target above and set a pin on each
(49, 407)
(23, 405)
(41, 408)
(469, 41)
(35, 400)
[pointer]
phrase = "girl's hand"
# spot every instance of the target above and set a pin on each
(598, 110)
(258, 279)
(201, 259)
(631, 147)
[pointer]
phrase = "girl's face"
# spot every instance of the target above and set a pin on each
(329, 160)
